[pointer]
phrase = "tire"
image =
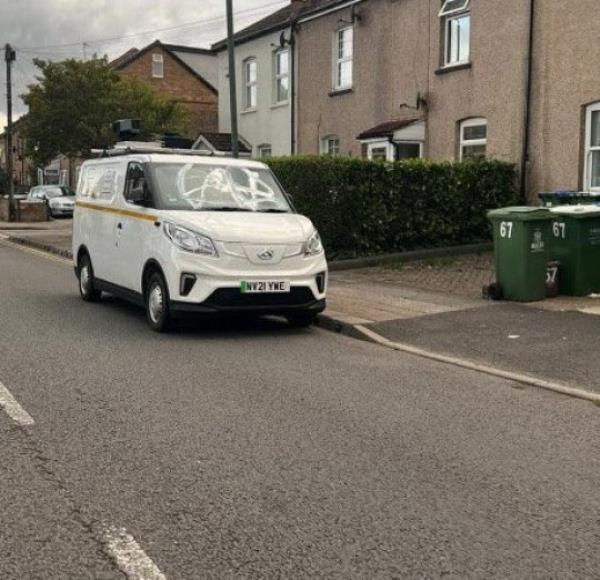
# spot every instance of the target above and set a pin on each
(157, 303)
(301, 319)
(85, 274)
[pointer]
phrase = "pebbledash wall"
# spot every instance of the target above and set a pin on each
(566, 85)
(180, 84)
(491, 87)
(398, 54)
(389, 69)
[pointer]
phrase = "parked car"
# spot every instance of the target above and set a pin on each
(60, 199)
(180, 233)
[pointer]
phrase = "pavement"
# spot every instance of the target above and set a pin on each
(236, 450)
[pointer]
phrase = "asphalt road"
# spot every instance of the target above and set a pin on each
(256, 451)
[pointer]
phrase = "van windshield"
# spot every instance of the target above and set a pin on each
(208, 187)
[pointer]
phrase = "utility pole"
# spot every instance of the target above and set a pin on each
(9, 57)
(235, 148)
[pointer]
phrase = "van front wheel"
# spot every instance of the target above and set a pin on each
(87, 288)
(157, 303)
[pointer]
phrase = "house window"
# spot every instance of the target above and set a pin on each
(591, 178)
(330, 145)
(408, 150)
(473, 139)
(457, 31)
(380, 151)
(343, 54)
(158, 66)
(265, 150)
(250, 83)
(282, 76)
(394, 151)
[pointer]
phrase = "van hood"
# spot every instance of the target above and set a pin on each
(253, 227)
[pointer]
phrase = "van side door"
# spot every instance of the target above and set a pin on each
(135, 227)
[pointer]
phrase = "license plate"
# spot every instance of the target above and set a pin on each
(264, 286)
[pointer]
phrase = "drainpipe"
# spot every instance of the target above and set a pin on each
(527, 119)
(293, 85)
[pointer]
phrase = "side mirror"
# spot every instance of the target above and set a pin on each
(141, 196)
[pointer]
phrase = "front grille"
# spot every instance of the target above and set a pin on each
(233, 298)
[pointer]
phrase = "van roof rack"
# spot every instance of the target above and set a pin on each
(119, 151)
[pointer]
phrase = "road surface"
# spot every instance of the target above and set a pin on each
(231, 450)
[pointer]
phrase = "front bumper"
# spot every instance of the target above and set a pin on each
(212, 306)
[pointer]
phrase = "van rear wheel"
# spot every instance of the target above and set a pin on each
(87, 287)
(157, 303)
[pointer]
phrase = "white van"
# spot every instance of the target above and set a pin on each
(181, 232)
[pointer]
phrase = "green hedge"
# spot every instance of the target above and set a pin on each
(363, 207)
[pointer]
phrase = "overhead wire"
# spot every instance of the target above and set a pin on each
(205, 21)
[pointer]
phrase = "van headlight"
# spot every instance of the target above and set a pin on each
(190, 241)
(313, 245)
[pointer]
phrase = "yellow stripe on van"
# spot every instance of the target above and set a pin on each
(114, 210)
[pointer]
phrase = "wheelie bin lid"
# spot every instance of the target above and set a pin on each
(577, 211)
(521, 213)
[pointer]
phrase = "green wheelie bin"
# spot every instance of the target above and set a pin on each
(576, 245)
(522, 237)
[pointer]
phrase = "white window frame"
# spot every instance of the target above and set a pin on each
(158, 66)
(589, 149)
(263, 149)
(325, 145)
(444, 11)
(474, 122)
(279, 76)
(380, 144)
(390, 148)
(342, 59)
(449, 17)
(249, 84)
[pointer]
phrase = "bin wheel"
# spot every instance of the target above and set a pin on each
(493, 291)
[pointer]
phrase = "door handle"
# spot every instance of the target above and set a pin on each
(119, 226)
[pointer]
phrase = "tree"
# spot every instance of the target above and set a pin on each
(72, 106)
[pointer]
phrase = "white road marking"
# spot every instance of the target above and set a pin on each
(13, 409)
(130, 558)
(467, 364)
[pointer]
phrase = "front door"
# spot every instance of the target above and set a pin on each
(133, 228)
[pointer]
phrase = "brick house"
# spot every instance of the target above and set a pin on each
(22, 167)
(184, 74)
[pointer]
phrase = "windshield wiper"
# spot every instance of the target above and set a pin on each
(273, 210)
(224, 208)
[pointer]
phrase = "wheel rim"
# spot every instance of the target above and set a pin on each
(84, 279)
(156, 304)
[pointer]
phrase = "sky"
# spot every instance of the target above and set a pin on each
(44, 28)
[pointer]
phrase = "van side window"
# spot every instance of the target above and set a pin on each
(97, 182)
(135, 184)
